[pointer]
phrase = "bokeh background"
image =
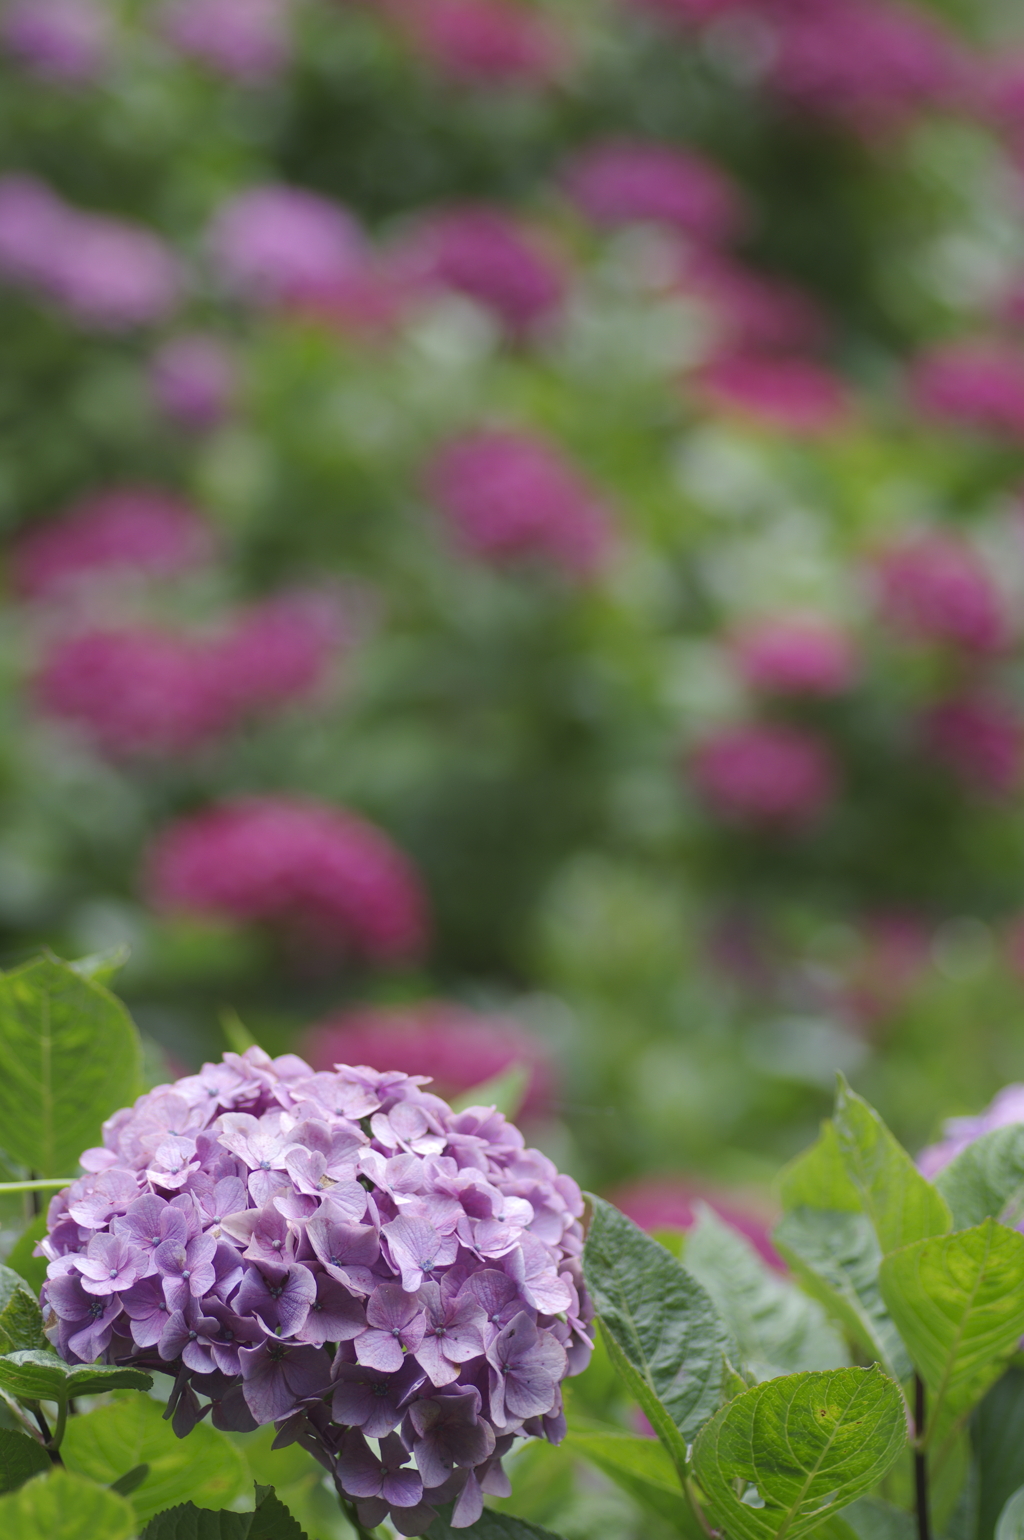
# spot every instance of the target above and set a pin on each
(513, 549)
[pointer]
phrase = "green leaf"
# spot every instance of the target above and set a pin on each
(901, 1205)
(59, 1506)
(776, 1327)
(836, 1257)
(999, 1448)
(269, 1521)
(986, 1181)
(818, 1178)
(69, 1057)
(663, 1333)
(869, 1518)
(20, 1458)
(32, 1270)
(506, 1091)
(807, 1444)
(131, 1479)
(958, 1301)
(39, 1375)
(489, 1526)
(206, 1467)
(1011, 1520)
(21, 1321)
(641, 1467)
(102, 966)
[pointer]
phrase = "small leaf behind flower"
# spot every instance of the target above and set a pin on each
(643, 1468)
(901, 1204)
(21, 1322)
(59, 1506)
(664, 1335)
(802, 1448)
(39, 1375)
(489, 1526)
(20, 1458)
(986, 1181)
(1011, 1520)
(270, 1520)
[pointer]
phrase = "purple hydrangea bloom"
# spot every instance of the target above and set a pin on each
(65, 41)
(1006, 1107)
(336, 1252)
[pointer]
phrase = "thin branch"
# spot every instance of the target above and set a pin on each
(924, 1531)
(349, 1510)
(44, 1184)
(691, 1496)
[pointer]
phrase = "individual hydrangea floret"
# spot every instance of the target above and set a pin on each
(510, 495)
(322, 877)
(765, 774)
(339, 1253)
(459, 1047)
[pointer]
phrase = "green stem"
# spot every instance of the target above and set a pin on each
(920, 1463)
(349, 1510)
(58, 1432)
(691, 1496)
(44, 1184)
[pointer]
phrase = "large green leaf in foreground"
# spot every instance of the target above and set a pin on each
(901, 1205)
(490, 1526)
(270, 1520)
(20, 1458)
(643, 1468)
(59, 1506)
(803, 1446)
(205, 1468)
(958, 1301)
(69, 1057)
(663, 1333)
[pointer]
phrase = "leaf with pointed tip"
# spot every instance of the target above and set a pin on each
(131, 1480)
(206, 1467)
(20, 1458)
(836, 1257)
(69, 1057)
(958, 1301)
(986, 1181)
(901, 1204)
(60, 1506)
(1011, 1520)
(643, 1468)
(776, 1327)
(491, 1525)
(818, 1178)
(803, 1447)
(270, 1520)
(999, 1448)
(663, 1333)
(21, 1321)
(102, 966)
(39, 1375)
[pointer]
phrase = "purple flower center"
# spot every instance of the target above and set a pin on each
(186, 1272)
(95, 1310)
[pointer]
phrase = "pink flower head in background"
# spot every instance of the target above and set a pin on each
(509, 495)
(789, 395)
(934, 588)
(193, 379)
(798, 656)
(135, 691)
(457, 1047)
(275, 243)
(485, 42)
(1005, 1108)
(980, 740)
(278, 650)
(486, 254)
(125, 531)
(35, 225)
(976, 385)
(755, 313)
(58, 40)
(867, 64)
(893, 956)
(669, 1203)
(320, 875)
(243, 39)
(764, 774)
(623, 181)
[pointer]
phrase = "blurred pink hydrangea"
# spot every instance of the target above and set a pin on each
(485, 42)
(789, 395)
(800, 655)
(193, 379)
(59, 40)
(324, 878)
(1006, 1107)
(135, 690)
(977, 385)
(764, 774)
(459, 1048)
(669, 1203)
(934, 588)
(278, 650)
(275, 243)
(509, 495)
(486, 254)
(121, 532)
(869, 64)
(754, 313)
(980, 740)
(243, 39)
(622, 181)
(106, 273)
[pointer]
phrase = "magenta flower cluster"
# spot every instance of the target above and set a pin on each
(323, 877)
(397, 1286)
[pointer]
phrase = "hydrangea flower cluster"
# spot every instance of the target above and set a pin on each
(193, 379)
(483, 42)
(274, 243)
(934, 588)
(486, 255)
(396, 1285)
(787, 394)
(242, 39)
(765, 774)
(621, 181)
(509, 495)
(107, 274)
(976, 385)
(66, 41)
(315, 873)
(799, 656)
